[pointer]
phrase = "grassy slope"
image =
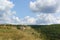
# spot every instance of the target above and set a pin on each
(12, 33)
(34, 32)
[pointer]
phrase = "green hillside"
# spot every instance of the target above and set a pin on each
(50, 32)
(30, 32)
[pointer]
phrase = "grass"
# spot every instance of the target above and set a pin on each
(12, 33)
(32, 32)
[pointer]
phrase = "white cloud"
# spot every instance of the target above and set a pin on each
(5, 11)
(44, 6)
(5, 4)
(16, 19)
(30, 20)
(47, 19)
(48, 11)
(41, 19)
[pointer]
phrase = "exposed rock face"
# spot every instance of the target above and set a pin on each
(22, 27)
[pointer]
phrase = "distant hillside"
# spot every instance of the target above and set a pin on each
(51, 32)
(30, 32)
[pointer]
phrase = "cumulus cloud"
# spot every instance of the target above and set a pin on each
(41, 19)
(48, 11)
(46, 19)
(5, 4)
(44, 6)
(30, 20)
(6, 15)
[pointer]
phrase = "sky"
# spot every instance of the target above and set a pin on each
(30, 12)
(22, 8)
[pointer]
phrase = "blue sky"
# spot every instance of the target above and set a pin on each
(22, 8)
(34, 12)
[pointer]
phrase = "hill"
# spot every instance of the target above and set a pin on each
(50, 32)
(30, 32)
(18, 32)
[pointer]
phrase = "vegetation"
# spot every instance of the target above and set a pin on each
(49, 32)
(30, 32)
(16, 32)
